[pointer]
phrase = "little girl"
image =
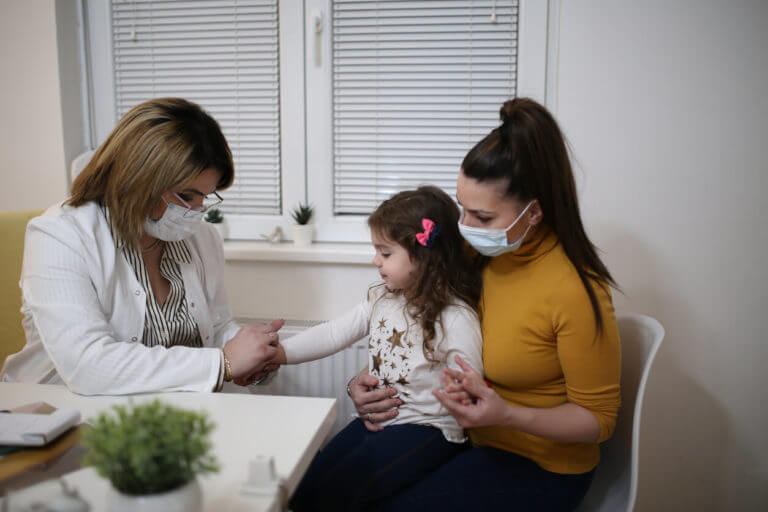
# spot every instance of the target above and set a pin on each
(418, 319)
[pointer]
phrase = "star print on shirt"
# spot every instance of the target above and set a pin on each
(391, 351)
(376, 361)
(396, 340)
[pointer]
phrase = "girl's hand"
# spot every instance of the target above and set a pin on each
(485, 406)
(373, 405)
(452, 386)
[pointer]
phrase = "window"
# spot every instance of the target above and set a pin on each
(415, 86)
(337, 102)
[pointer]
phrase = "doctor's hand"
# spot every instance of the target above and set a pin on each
(278, 359)
(251, 349)
(270, 366)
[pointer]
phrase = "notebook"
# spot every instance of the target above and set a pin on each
(30, 429)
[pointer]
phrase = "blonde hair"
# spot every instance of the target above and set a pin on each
(157, 145)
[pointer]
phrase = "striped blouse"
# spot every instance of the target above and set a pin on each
(169, 324)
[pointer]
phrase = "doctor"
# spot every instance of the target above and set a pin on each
(122, 284)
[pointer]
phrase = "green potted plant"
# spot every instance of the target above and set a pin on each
(216, 218)
(151, 454)
(303, 230)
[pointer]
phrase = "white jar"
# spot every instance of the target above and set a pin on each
(303, 234)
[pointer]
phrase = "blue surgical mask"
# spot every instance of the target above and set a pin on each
(493, 242)
(177, 223)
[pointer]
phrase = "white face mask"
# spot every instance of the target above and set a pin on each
(177, 223)
(492, 242)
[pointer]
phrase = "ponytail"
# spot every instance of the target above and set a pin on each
(529, 151)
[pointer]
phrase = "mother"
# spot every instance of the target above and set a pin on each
(122, 285)
(551, 351)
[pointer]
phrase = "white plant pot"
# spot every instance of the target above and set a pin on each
(303, 234)
(222, 228)
(188, 498)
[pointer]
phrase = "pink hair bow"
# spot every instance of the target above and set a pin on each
(427, 238)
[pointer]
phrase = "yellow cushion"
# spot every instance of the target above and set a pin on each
(13, 225)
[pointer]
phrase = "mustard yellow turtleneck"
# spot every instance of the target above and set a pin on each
(540, 349)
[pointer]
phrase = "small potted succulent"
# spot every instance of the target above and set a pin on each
(303, 231)
(152, 455)
(216, 218)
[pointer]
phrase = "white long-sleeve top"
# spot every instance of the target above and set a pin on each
(395, 353)
(84, 311)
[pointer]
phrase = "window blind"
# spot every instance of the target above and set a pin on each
(223, 55)
(415, 85)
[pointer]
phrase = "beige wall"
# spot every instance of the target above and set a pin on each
(32, 159)
(299, 291)
(665, 106)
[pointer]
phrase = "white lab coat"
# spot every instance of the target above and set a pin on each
(84, 311)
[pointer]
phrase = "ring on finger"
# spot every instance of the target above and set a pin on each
(272, 336)
(368, 417)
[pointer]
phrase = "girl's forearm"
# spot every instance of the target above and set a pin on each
(566, 423)
(327, 338)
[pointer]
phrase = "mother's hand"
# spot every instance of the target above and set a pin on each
(469, 399)
(373, 405)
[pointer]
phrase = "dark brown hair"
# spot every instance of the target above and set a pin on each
(442, 271)
(529, 151)
(157, 145)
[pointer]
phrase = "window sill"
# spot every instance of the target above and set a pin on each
(346, 253)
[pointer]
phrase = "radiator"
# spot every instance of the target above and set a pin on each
(325, 377)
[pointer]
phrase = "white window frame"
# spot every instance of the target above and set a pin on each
(306, 99)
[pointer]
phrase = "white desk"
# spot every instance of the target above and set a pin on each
(289, 428)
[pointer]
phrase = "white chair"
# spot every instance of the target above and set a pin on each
(614, 487)
(79, 163)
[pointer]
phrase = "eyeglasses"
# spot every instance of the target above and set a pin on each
(210, 201)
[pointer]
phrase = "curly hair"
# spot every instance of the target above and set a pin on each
(444, 272)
